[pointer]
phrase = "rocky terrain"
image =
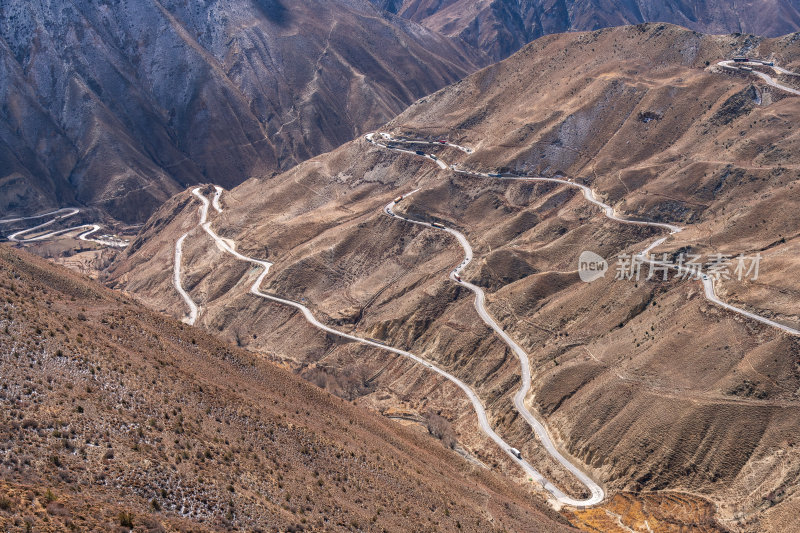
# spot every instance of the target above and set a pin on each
(654, 390)
(501, 27)
(117, 418)
(120, 105)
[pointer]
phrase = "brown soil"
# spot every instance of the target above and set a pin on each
(646, 384)
(109, 408)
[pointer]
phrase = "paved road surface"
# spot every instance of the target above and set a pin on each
(58, 216)
(519, 399)
(766, 77)
(194, 311)
(483, 420)
(597, 493)
(42, 215)
(710, 293)
(708, 283)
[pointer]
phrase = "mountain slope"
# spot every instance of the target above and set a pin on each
(109, 408)
(123, 105)
(501, 27)
(649, 386)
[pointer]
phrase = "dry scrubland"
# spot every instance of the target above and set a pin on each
(113, 415)
(653, 389)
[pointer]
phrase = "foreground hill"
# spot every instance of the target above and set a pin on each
(501, 27)
(122, 105)
(114, 415)
(651, 388)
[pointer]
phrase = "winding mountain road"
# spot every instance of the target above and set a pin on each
(58, 216)
(597, 493)
(711, 296)
(71, 210)
(707, 281)
(194, 310)
(732, 65)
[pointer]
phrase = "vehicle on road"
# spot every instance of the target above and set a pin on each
(420, 152)
(437, 225)
(495, 175)
(746, 69)
(458, 278)
(516, 453)
(434, 157)
(441, 142)
(397, 200)
(740, 59)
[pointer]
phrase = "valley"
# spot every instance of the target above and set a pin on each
(116, 109)
(335, 269)
(598, 352)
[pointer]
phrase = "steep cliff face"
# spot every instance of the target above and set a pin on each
(122, 104)
(501, 27)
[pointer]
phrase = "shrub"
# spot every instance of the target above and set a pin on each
(126, 519)
(57, 509)
(439, 427)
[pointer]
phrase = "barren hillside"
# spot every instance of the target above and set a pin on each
(501, 27)
(113, 412)
(653, 389)
(123, 104)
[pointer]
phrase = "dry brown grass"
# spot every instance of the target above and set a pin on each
(116, 409)
(656, 513)
(646, 384)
